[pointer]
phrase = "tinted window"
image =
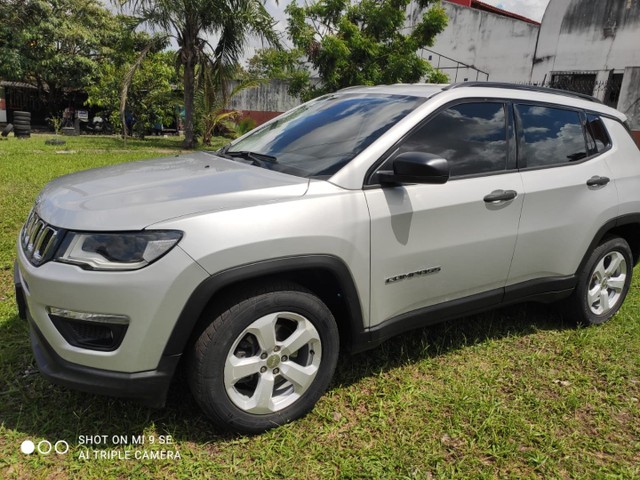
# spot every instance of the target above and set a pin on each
(597, 132)
(320, 137)
(471, 136)
(592, 149)
(550, 136)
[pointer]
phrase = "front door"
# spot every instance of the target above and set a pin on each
(436, 243)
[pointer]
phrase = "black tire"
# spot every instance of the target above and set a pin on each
(22, 115)
(228, 402)
(602, 287)
(22, 134)
(21, 124)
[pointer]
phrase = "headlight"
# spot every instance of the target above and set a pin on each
(116, 251)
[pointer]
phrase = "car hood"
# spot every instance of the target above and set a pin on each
(132, 196)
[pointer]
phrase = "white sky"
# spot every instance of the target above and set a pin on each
(533, 9)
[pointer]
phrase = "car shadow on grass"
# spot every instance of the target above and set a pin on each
(446, 337)
(32, 406)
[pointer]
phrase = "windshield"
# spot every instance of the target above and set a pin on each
(320, 137)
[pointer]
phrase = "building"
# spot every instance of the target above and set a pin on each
(472, 47)
(3, 106)
(482, 42)
(593, 47)
(593, 40)
(586, 46)
(18, 96)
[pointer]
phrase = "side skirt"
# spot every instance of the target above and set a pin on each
(543, 290)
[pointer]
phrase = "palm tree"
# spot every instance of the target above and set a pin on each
(214, 100)
(192, 22)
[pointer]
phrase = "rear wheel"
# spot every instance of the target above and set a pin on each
(266, 360)
(603, 283)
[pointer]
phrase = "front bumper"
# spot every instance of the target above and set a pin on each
(149, 387)
(152, 298)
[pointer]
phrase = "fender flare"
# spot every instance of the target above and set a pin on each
(203, 294)
(629, 219)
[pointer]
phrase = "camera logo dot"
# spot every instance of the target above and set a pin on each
(61, 447)
(44, 447)
(27, 447)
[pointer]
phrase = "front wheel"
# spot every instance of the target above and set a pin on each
(603, 283)
(265, 360)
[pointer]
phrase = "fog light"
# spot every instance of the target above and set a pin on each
(95, 331)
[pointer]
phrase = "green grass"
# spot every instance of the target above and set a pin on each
(515, 393)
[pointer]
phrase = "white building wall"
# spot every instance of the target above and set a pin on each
(501, 46)
(268, 97)
(629, 102)
(588, 35)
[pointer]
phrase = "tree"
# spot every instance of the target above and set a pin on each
(191, 23)
(281, 64)
(146, 75)
(54, 45)
(355, 43)
(151, 95)
(213, 105)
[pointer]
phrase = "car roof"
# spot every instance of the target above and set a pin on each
(413, 89)
(516, 92)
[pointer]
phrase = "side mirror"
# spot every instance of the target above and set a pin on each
(417, 167)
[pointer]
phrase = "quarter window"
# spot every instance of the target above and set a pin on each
(471, 136)
(597, 133)
(550, 136)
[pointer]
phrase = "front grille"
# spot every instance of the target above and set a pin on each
(38, 239)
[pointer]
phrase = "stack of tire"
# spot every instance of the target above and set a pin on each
(22, 124)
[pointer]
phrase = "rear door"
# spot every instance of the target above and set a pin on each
(569, 190)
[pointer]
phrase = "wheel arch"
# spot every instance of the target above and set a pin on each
(626, 227)
(326, 276)
(631, 233)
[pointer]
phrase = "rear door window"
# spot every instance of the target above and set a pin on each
(549, 136)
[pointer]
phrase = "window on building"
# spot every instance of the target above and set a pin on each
(550, 136)
(612, 93)
(471, 136)
(574, 82)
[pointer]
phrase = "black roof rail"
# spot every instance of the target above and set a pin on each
(527, 88)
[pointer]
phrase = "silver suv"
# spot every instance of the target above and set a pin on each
(352, 218)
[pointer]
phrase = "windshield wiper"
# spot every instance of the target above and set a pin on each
(259, 159)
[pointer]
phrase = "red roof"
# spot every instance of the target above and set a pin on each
(477, 4)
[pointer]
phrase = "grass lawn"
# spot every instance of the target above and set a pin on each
(514, 393)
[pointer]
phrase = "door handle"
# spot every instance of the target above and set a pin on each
(500, 196)
(597, 181)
